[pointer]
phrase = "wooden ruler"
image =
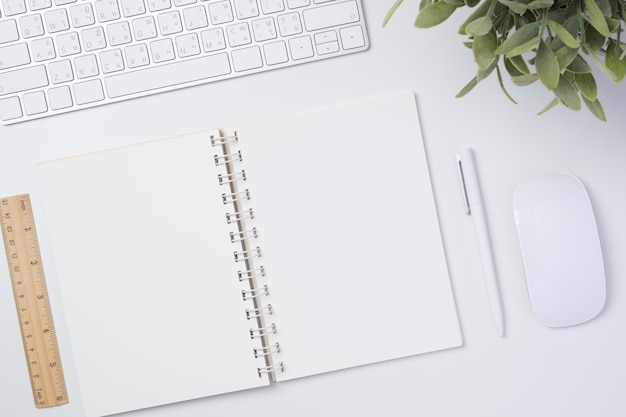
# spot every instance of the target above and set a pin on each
(31, 299)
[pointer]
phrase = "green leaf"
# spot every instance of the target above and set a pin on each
(587, 85)
(610, 74)
(614, 61)
(579, 65)
(479, 27)
(468, 87)
(613, 24)
(594, 40)
(596, 18)
(563, 34)
(524, 39)
(547, 66)
(511, 69)
(484, 49)
(539, 4)
(424, 3)
(479, 12)
(549, 106)
(506, 93)
(519, 63)
(391, 11)
(482, 74)
(565, 56)
(567, 94)
(596, 108)
(605, 7)
(525, 79)
(514, 6)
(434, 14)
(471, 3)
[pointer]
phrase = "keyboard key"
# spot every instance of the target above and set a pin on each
(301, 47)
(275, 53)
(86, 66)
(264, 29)
(289, 24)
(247, 58)
(56, 20)
(93, 39)
(272, 6)
(144, 28)
(8, 31)
(213, 40)
(111, 61)
(137, 55)
(332, 15)
(167, 75)
(220, 12)
(179, 3)
(158, 5)
(246, 8)
(10, 109)
(170, 23)
(88, 92)
(61, 71)
(132, 8)
(195, 18)
(13, 7)
(35, 103)
(68, 44)
(82, 15)
(118, 33)
(294, 4)
(60, 98)
(31, 26)
(187, 45)
(14, 56)
(162, 50)
(42, 49)
(39, 4)
(238, 34)
(107, 10)
(352, 37)
(23, 79)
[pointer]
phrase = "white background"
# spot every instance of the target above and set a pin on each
(533, 371)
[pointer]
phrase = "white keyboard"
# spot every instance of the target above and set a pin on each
(62, 55)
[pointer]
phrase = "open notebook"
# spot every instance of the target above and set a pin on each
(220, 260)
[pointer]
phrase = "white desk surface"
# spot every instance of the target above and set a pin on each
(533, 371)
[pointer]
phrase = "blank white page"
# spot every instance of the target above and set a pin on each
(147, 276)
(349, 235)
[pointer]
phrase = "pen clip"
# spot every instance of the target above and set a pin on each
(463, 185)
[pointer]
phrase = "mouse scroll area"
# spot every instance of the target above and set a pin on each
(560, 249)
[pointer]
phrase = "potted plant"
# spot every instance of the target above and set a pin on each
(550, 41)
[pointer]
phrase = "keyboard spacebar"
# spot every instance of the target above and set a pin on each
(168, 75)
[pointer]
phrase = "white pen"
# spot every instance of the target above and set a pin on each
(474, 207)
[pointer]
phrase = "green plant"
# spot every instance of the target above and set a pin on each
(547, 35)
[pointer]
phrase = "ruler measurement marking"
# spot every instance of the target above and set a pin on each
(31, 299)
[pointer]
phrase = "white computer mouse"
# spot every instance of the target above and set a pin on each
(560, 249)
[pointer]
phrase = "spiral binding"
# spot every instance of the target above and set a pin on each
(264, 351)
(239, 215)
(233, 197)
(271, 369)
(251, 273)
(243, 235)
(254, 293)
(246, 254)
(225, 159)
(262, 332)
